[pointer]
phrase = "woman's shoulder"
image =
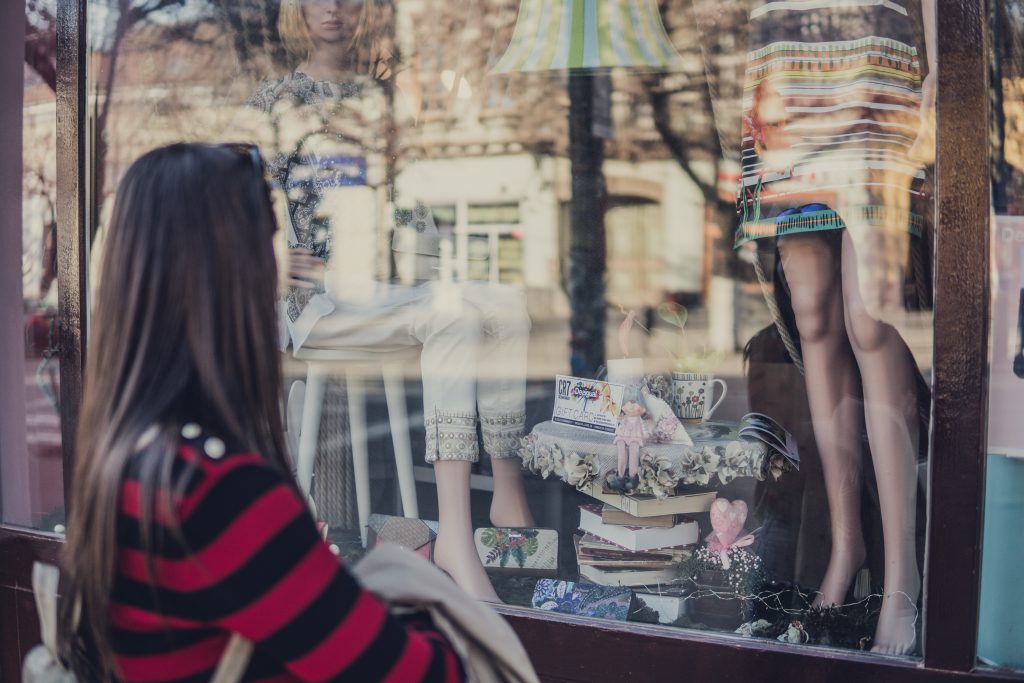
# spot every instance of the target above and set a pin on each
(197, 456)
(212, 480)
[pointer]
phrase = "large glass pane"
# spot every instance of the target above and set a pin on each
(31, 483)
(616, 266)
(1000, 638)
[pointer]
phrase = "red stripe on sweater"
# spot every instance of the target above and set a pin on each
(286, 599)
(180, 663)
(131, 498)
(413, 663)
(130, 618)
(345, 644)
(230, 551)
(131, 502)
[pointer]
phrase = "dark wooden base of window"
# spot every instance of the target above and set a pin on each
(565, 648)
(19, 626)
(562, 648)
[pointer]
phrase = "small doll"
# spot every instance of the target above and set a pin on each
(629, 438)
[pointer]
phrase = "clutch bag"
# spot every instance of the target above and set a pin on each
(414, 534)
(528, 551)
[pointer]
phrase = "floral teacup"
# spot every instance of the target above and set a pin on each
(691, 393)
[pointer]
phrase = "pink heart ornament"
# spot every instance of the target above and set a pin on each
(727, 520)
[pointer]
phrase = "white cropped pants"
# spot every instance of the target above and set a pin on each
(474, 338)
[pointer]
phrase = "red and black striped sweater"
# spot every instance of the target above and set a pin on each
(249, 560)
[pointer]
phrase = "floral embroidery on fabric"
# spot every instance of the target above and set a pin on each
(502, 433)
(451, 436)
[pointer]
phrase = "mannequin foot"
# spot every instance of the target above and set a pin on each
(514, 514)
(460, 561)
(843, 566)
(896, 633)
(508, 504)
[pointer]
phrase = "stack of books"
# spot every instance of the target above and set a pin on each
(649, 506)
(620, 549)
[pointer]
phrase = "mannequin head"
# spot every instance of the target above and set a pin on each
(767, 126)
(307, 26)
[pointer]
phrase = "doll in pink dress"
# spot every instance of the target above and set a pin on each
(629, 438)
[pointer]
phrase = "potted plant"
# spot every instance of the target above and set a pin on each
(721, 596)
(693, 374)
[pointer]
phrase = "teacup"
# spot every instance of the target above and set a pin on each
(691, 394)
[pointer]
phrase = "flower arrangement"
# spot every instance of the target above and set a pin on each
(664, 430)
(657, 476)
(700, 466)
(727, 463)
(741, 459)
(576, 469)
(580, 470)
(744, 576)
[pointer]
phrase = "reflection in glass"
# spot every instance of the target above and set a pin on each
(327, 122)
(31, 464)
(832, 112)
(431, 199)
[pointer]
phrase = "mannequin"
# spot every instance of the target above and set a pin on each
(829, 173)
(473, 345)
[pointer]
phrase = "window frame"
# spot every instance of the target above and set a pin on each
(565, 648)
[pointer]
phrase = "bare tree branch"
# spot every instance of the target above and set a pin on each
(41, 47)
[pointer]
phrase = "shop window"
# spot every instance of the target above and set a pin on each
(1000, 639)
(31, 483)
(692, 261)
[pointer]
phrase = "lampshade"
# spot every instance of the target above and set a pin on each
(587, 34)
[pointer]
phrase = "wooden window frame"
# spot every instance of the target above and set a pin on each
(573, 649)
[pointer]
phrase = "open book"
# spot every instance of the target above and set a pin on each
(760, 427)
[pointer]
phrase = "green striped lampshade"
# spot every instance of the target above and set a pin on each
(587, 34)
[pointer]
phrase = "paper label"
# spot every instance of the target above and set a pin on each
(587, 403)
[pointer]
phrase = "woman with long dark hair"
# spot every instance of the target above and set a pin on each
(185, 524)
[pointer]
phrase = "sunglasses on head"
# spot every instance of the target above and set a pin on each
(249, 152)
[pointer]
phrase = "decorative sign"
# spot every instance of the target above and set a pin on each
(587, 403)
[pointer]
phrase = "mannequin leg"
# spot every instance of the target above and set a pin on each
(890, 406)
(509, 506)
(501, 394)
(812, 271)
(454, 550)
(451, 343)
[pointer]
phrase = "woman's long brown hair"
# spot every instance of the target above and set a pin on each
(183, 327)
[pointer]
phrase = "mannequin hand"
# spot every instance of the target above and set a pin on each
(923, 149)
(304, 269)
